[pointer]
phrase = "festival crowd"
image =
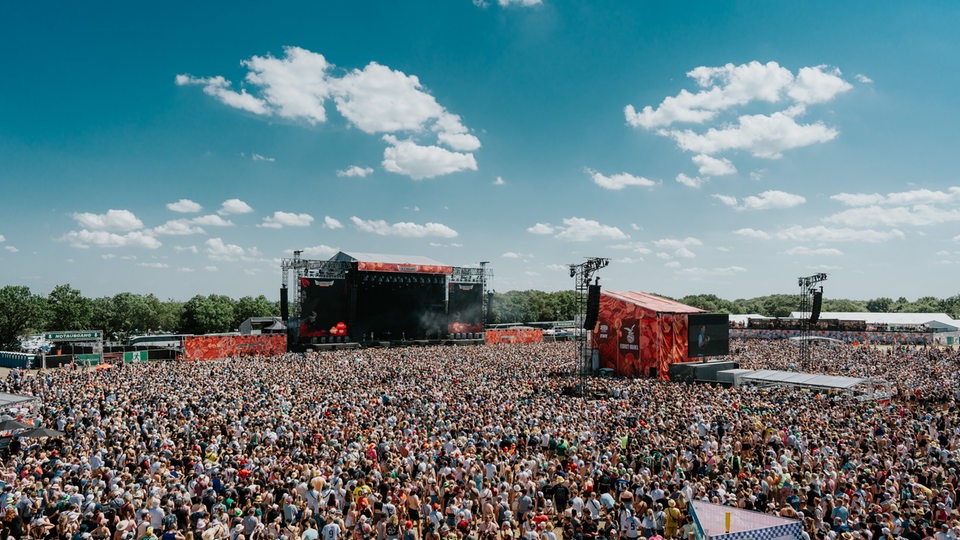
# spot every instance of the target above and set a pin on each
(476, 442)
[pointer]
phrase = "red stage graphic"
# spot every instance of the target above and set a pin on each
(213, 347)
(514, 335)
(405, 268)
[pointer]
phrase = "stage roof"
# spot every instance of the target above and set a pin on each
(10, 400)
(653, 302)
(807, 380)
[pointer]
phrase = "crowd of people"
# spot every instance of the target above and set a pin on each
(474, 442)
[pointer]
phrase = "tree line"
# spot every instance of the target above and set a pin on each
(23, 312)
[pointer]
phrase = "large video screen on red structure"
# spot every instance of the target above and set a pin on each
(393, 306)
(465, 307)
(709, 334)
(323, 304)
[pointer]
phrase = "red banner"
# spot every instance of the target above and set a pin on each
(515, 335)
(213, 347)
(404, 268)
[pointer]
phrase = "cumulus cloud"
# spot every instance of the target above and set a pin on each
(618, 181)
(728, 90)
(753, 233)
(711, 166)
(730, 86)
(765, 136)
(767, 200)
(863, 79)
(219, 250)
(281, 219)
(822, 233)
(234, 206)
(419, 162)
(212, 220)
(184, 206)
(403, 229)
(511, 255)
(104, 239)
(919, 215)
(802, 250)
(112, 220)
(322, 251)
(331, 223)
(577, 229)
(916, 196)
(179, 227)
(375, 99)
(540, 228)
(706, 273)
(678, 247)
(499, 181)
(356, 171)
(11, 249)
(690, 182)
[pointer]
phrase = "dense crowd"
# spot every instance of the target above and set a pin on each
(474, 442)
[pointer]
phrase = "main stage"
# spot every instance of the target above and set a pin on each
(370, 299)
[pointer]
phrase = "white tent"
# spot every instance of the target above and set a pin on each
(719, 522)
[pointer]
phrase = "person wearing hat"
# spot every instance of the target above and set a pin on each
(672, 519)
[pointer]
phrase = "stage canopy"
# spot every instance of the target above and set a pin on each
(11, 400)
(379, 262)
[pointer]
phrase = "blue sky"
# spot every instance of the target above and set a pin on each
(716, 147)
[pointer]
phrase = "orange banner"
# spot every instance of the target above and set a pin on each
(515, 335)
(405, 268)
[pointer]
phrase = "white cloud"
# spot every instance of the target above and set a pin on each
(499, 181)
(765, 136)
(219, 88)
(185, 269)
(522, 3)
(731, 86)
(191, 249)
(690, 182)
(258, 157)
(179, 227)
(821, 233)
(672, 264)
(511, 255)
(331, 223)
(210, 268)
(113, 220)
(956, 238)
(764, 201)
(726, 199)
(234, 206)
(217, 249)
(281, 219)
(11, 249)
(802, 250)
(707, 273)
(184, 206)
(863, 79)
(577, 229)
(914, 216)
(212, 220)
(153, 265)
(3, 238)
(541, 228)
(105, 239)
(817, 85)
(753, 233)
(618, 181)
(418, 162)
(917, 196)
(711, 166)
(403, 229)
(356, 171)
(320, 252)
(678, 247)
(375, 99)
(636, 247)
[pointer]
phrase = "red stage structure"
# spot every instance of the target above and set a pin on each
(213, 347)
(640, 334)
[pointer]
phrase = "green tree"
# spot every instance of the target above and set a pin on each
(208, 314)
(20, 312)
(879, 305)
(68, 309)
(248, 306)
